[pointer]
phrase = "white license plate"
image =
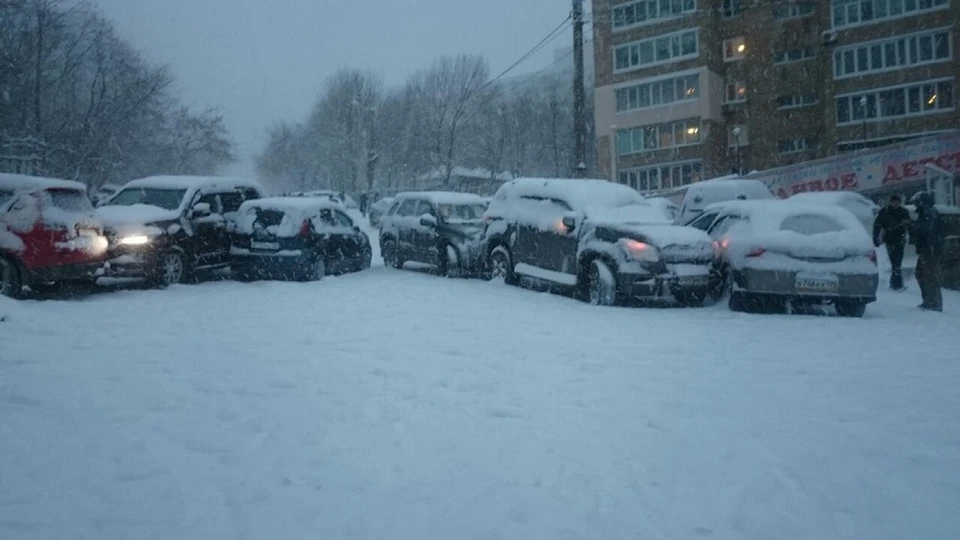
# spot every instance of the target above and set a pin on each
(817, 284)
(265, 246)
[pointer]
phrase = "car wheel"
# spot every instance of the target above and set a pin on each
(391, 257)
(171, 269)
(601, 285)
(450, 263)
(850, 308)
(501, 266)
(11, 279)
(366, 258)
(318, 269)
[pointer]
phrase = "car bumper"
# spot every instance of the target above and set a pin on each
(680, 279)
(859, 287)
(77, 272)
(282, 265)
(131, 264)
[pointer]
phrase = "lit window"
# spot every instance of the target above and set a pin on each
(736, 92)
(734, 49)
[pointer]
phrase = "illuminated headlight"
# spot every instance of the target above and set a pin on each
(100, 244)
(639, 251)
(134, 240)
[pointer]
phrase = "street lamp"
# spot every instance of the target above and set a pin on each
(736, 138)
(863, 111)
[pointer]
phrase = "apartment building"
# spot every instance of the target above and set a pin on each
(694, 89)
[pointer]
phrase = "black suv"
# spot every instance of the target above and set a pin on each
(438, 228)
(167, 228)
(601, 239)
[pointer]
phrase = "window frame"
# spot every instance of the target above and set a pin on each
(652, 41)
(734, 44)
(896, 53)
(688, 7)
(873, 114)
(846, 9)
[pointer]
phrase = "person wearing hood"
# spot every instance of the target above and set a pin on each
(890, 228)
(927, 236)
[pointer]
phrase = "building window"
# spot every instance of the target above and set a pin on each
(797, 100)
(785, 56)
(792, 146)
(891, 54)
(663, 49)
(793, 9)
(650, 11)
(734, 49)
(738, 135)
(658, 136)
(896, 102)
(658, 93)
(736, 92)
(664, 176)
(860, 12)
(731, 8)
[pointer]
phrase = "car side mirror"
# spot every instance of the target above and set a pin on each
(428, 221)
(200, 210)
(570, 221)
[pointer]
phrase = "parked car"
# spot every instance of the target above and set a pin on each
(48, 234)
(600, 238)
(336, 196)
(103, 193)
(702, 194)
(774, 252)
(296, 238)
(378, 209)
(438, 228)
(863, 208)
(168, 228)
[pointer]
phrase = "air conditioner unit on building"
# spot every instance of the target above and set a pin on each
(828, 37)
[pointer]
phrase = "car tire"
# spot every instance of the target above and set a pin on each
(449, 262)
(11, 279)
(366, 259)
(851, 308)
(500, 262)
(691, 299)
(601, 286)
(390, 254)
(171, 269)
(318, 269)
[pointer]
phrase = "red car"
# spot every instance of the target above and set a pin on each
(48, 234)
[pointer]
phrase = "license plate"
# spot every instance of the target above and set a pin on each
(265, 246)
(817, 284)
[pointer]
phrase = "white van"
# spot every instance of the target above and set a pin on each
(703, 194)
(863, 208)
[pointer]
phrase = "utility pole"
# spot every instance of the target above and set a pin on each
(579, 98)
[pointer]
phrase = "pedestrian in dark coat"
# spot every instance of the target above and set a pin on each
(927, 236)
(890, 228)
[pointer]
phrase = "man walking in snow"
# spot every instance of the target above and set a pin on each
(928, 238)
(890, 228)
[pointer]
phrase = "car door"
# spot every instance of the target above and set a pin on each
(402, 223)
(211, 240)
(525, 236)
(557, 245)
(348, 240)
(425, 239)
(331, 240)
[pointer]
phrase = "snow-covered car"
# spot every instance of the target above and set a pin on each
(378, 209)
(167, 228)
(295, 238)
(669, 209)
(438, 228)
(774, 252)
(337, 196)
(48, 234)
(103, 193)
(861, 207)
(600, 238)
(702, 194)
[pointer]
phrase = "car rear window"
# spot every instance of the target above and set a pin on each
(70, 200)
(810, 224)
(268, 217)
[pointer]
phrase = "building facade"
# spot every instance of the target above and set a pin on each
(694, 89)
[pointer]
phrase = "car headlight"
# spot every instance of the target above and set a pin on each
(639, 251)
(134, 240)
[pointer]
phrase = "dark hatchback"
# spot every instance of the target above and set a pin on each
(298, 238)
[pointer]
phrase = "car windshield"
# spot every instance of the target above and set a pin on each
(70, 199)
(168, 199)
(465, 212)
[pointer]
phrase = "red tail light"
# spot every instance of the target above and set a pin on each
(756, 252)
(873, 257)
(305, 229)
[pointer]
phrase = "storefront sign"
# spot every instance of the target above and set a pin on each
(901, 163)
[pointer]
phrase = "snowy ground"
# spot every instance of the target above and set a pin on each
(400, 405)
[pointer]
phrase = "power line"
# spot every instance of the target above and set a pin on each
(543, 42)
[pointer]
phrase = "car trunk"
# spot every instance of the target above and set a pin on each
(273, 230)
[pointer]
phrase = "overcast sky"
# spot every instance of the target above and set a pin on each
(264, 60)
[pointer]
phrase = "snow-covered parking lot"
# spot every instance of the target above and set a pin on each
(395, 404)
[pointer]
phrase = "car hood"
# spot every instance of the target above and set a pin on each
(139, 214)
(661, 235)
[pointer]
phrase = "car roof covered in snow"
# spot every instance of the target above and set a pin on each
(442, 197)
(22, 182)
(731, 186)
(291, 204)
(769, 214)
(194, 183)
(581, 194)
